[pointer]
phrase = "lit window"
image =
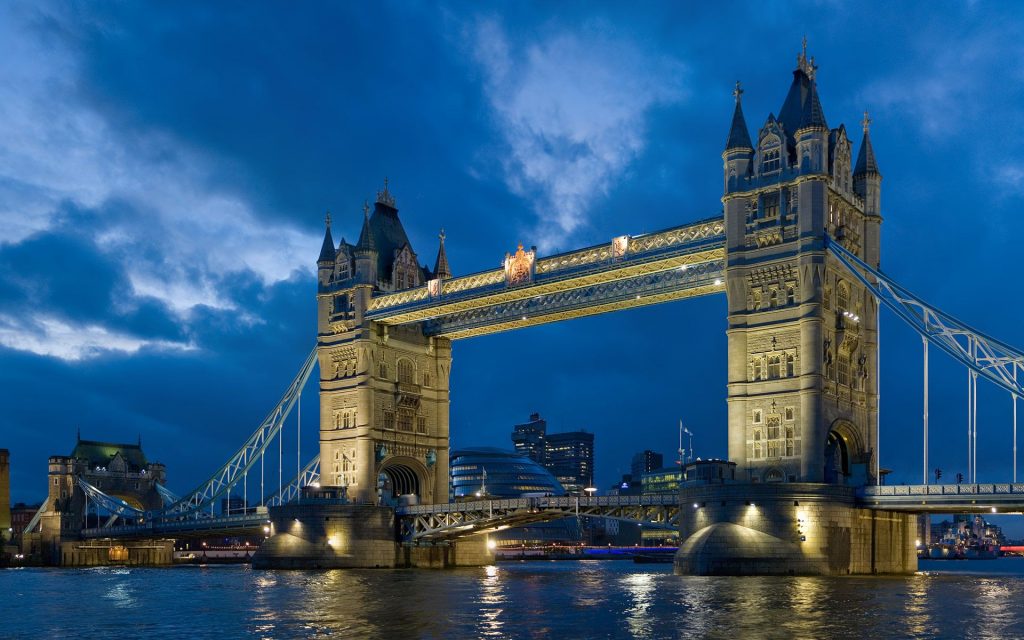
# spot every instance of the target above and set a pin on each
(773, 428)
(774, 367)
(771, 161)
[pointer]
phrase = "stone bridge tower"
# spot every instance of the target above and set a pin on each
(802, 333)
(383, 390)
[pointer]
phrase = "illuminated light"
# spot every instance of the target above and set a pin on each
(917, 543)
(696, 506)
(718, 282)
(524, 317)
(638, 296)
(266, 530)
(993, 509)
(492, 545)
(682, 268)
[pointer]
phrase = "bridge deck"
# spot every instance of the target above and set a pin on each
(945, 498)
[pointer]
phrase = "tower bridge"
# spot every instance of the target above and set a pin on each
(796, 251)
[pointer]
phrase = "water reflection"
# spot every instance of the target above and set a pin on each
(491, 599)
(640, 587)
(917, 616)
(511, 600)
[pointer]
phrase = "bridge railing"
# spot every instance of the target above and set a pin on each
(943, 489)
(542, 502)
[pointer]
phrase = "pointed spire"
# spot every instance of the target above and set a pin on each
(802, 107)
(327, 253)
(366, 243)
(866, 156)
(813, 115)
(739, 136)
(441, 268)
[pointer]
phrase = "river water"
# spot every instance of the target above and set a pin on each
(568, 599)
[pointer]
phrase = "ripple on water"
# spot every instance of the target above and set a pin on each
(586, 599)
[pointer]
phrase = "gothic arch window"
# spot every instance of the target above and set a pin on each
(406, 372)
(773, 427)
(790, 365)
(843, 369)
(790, 294)
(774, 367)
(773, 298)
(773, 475)
(758, 417)
(404, 420)
(758, 451)
(382, 369)
(827, 297)
(843, 296)
(758, 373)
(757, 298)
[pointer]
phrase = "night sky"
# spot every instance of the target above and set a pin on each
(165, 170)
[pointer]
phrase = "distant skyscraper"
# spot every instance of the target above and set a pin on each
(570, 457)
(645, 462)
(529, 438)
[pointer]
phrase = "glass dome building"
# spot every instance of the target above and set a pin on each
(508, 475)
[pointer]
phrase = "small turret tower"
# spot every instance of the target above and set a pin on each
(738, 153)
(441, 269)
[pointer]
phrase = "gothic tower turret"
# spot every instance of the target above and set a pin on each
(867, 183)
(738, 150)
(802, 335)
(366, 252)
(441, 268)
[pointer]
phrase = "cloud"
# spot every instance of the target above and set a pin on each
(141, 199)
(572, 108)
(49, 336)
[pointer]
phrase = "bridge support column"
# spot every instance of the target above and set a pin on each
(321, 536)
(790, 529)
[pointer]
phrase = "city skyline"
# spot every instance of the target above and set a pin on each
(159, 255)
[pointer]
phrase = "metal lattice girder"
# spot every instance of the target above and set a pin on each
(166, 495)
(684, 281)
(34, 522)
(235, 468)
(115, 506)
(461, 519)
(310, 474)
(992, 359)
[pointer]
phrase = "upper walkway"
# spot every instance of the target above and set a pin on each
(629, 271)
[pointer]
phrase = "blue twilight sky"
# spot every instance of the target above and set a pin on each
(164, 172)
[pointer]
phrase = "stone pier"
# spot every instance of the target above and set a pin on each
(790, 529)
(99, 553)
(323, 536)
